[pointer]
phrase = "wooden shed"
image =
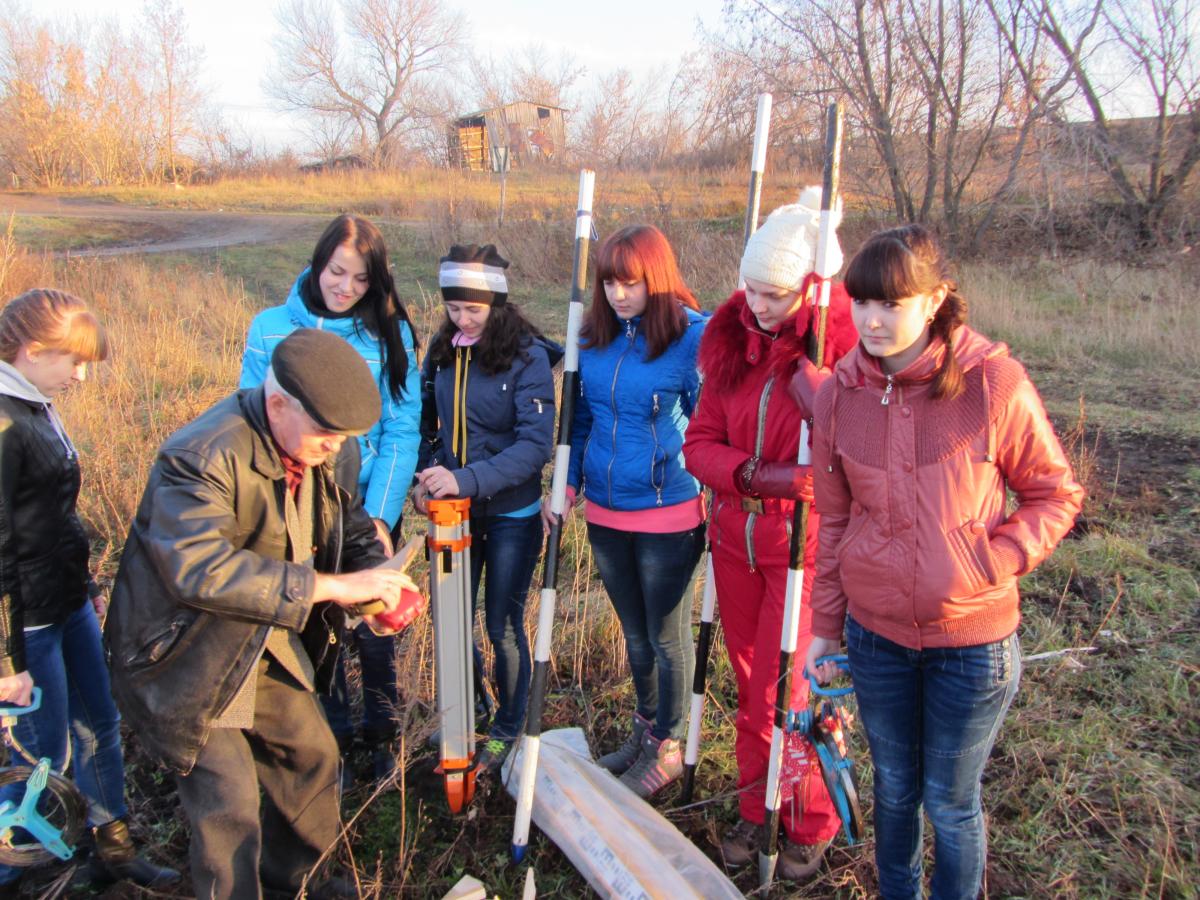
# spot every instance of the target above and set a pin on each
(513, 136)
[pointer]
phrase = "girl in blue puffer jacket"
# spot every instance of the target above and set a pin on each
(348, 289)
(645, 512)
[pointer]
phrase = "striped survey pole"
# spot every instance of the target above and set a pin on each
(768, 853)
(708, 603)
(531, 739)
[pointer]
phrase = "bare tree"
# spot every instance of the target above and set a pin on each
(117, 140)
(373, 67)
(178, 95)
(618, 126)
(43, 98)
(1152, 42)
(927, 83)
(531, 73)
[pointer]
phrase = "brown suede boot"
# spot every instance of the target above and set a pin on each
(800, 862)
(115, 858)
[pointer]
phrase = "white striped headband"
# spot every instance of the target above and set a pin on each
(472, 282)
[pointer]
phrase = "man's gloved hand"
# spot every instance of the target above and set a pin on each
(782, 479)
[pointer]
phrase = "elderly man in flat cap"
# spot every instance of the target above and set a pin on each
(227, 613)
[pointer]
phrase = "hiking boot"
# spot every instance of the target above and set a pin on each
(741, 843)
(661, 763)
(489, 760)
(800, 862)
(382, 744)
(115, 858)
(622, 759)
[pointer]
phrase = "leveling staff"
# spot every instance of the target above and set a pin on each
(226, 615)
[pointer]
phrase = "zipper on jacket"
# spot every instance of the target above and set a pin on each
(759, 437)
(654, 452)
(887, 392)
(630, 333)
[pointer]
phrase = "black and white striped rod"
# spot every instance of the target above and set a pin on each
(531, 740)
(768, 853)
(691, 752)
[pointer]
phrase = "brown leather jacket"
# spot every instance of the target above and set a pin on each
(916, 542)
(204, 575)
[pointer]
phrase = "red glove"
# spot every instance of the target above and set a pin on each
(782, 479)
(803, 386)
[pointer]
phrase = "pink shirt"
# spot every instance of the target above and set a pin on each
(656, 520)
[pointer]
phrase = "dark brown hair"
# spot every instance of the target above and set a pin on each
(637, 253)
(904, 262)
(498, 345)
(380, 309)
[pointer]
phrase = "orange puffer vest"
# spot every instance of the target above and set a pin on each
(915, 539)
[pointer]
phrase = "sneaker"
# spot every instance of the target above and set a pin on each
(800, 862)
(622, 759)
(491, 757)
(661, 763)
(741, 843)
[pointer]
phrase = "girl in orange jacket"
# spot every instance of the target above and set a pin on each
(923, 428)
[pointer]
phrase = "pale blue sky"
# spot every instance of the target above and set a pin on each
(636, 34)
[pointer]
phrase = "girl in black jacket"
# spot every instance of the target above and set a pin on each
(487, 420)
(49, 631)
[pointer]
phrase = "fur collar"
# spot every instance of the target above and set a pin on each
(733, 344)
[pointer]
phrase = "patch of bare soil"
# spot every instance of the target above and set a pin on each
(1153, 476)
(167, 230)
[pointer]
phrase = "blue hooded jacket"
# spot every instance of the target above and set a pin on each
(389, 449)
(630, 416)
(509, 427)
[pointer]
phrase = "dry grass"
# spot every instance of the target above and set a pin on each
(460, 196)
(1092, 789)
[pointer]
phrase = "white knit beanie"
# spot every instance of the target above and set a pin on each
(784, 249)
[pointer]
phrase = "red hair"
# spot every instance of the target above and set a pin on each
(640, 253)
(55, 319)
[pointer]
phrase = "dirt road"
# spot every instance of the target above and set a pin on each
(168, 230)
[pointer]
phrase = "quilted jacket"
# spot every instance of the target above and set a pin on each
(917, 541)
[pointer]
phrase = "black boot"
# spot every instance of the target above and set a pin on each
(114, 858)
(381, 743)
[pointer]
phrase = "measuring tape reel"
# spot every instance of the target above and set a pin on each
(46, 814)
(826, 731)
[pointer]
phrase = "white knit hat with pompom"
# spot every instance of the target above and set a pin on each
(784, 249)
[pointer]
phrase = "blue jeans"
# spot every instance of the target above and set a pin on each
(377, 663)
(67, 662)
(507, 547)
(647, 577)
(931, 718)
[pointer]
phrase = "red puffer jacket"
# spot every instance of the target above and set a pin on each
(915, 540)
(746, 408)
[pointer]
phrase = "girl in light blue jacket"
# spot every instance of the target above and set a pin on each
(348, 289)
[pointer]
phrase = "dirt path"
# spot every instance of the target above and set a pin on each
(168, 230)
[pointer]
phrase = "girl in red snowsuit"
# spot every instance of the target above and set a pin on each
(742, 442)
